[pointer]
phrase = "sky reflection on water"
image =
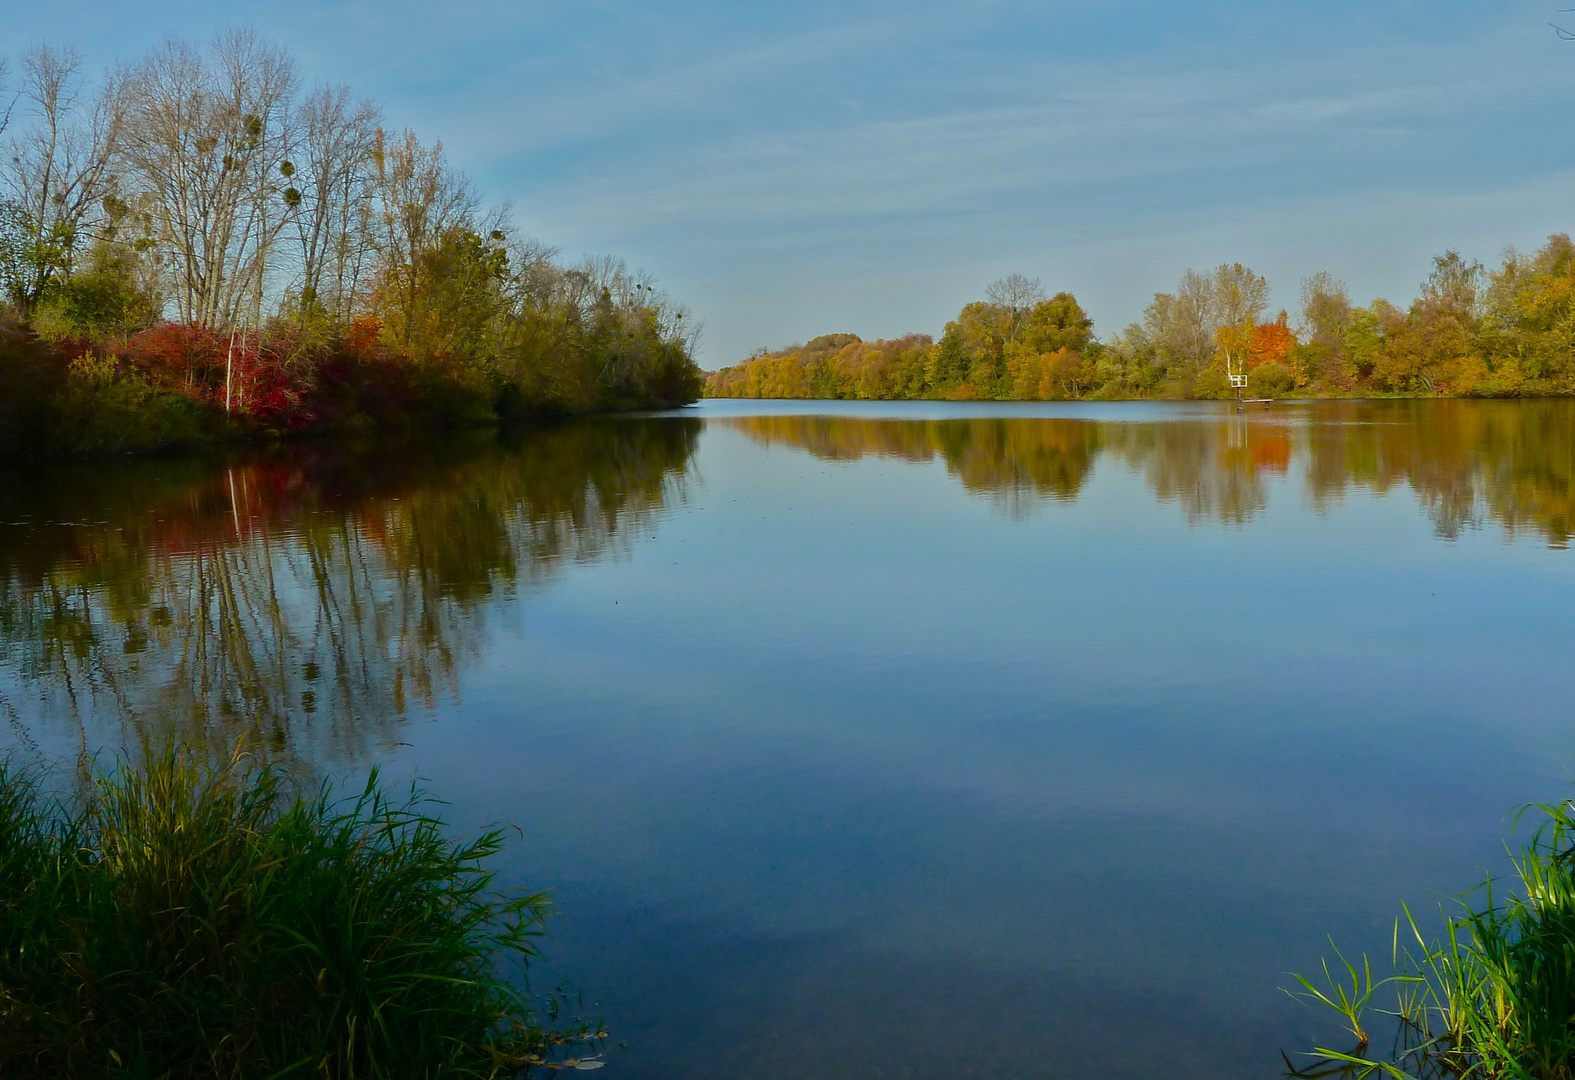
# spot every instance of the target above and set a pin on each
(898, 740)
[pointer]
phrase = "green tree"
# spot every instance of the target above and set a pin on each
(1057, 323)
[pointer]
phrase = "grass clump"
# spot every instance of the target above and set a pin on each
(195, 920)
(1492, 999)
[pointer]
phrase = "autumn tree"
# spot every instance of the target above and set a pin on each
(1239, 297)
(1180, 328)
(1367, 338)
(977, 338)
(422, 207)
(1269, 352)
(1057, 323)
(317, 269)
(1271, 342)
(1127, 363)
(979, 355)
(949, 362)
(1208, 316)
(1434, 349)
(1528, 321)
(1047, 358)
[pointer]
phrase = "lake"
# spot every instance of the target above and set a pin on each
(871, 739)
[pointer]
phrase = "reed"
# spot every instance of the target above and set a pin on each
(186, 919)
(1492, 998)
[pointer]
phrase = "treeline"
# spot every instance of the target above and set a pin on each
(196, 246)
(1470, 332)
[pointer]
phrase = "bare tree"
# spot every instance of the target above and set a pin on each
(605, 294)
(206, 142)
(1018, 294)
(259, 83)
(5, 91)
(1239, 295)
(330, 192)
(1326, 309)
(1454, 283)
(57, 173)
(1186, 327)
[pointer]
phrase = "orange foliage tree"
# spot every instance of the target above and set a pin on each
(1271, 343)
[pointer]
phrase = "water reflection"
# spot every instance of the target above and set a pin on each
(1509, 462)
(306, 599)
(1014, 461)
(311, 597)
(851, 759)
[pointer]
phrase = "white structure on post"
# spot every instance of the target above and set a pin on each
(1235, 370)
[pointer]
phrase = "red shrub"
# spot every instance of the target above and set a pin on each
(181, 357)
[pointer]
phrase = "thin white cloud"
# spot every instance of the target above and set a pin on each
(868, 165)
(1080, 159)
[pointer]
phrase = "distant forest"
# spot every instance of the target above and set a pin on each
(1471, 332)
(198, 245)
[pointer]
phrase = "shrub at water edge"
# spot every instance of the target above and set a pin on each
(190, 920)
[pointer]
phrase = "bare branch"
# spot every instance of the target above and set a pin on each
(206, 140)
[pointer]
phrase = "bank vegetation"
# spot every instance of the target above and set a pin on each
(1470, 332)
(199, 246)
(182, 919)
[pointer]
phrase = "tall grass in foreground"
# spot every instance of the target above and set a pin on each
(193, 920)
(1493, 999)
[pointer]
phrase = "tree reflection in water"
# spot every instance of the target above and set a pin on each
(1468, 462)
(310, 597)
(304, 599)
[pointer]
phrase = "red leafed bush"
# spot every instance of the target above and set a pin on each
(269, 389)
(181, 357)
(264, 382)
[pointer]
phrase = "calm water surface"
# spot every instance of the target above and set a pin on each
(872, 740)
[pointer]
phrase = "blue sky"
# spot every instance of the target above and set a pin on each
(790, 170)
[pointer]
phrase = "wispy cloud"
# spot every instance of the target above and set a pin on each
(1049, 164)
(788, 169)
